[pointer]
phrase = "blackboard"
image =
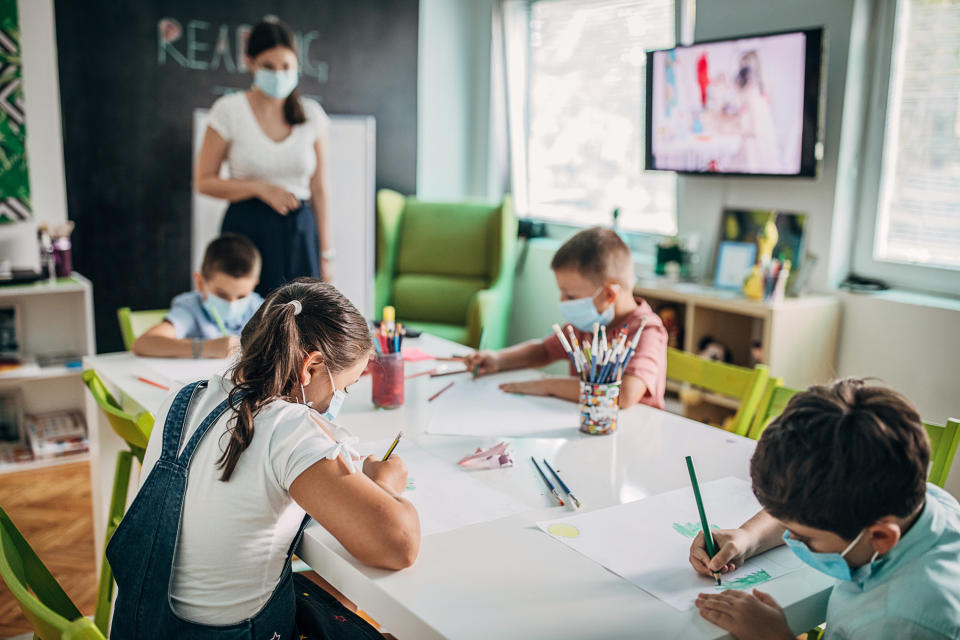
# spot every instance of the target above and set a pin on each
(131, 75)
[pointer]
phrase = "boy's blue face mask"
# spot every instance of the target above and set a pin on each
(230, 313)
(582, 313)
(832, 564)
(276, 84)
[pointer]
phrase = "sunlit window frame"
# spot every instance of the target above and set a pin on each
(640, 241)
(937, 280)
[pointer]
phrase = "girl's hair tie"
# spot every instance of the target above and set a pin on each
(297, 307)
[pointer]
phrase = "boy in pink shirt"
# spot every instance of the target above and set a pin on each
(594, 272)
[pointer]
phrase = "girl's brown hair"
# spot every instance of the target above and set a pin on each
(274, 344)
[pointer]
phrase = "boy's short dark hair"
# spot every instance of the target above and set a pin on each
(841, 457)
(231, 254)
(598, 253)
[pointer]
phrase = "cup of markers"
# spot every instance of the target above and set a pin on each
(599, 407)
(387, 376)
(600, 365)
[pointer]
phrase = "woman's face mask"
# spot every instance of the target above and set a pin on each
(276, 84)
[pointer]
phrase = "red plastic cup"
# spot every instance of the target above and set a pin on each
(387, 377)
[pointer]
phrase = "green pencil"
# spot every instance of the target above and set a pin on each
(219, 321)
(707, 536)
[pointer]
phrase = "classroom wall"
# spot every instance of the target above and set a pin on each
(128, 119)
(911, 342)
(41, 95)
(702, 198)
(453, 99)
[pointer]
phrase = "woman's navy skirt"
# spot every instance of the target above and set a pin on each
(288, 245)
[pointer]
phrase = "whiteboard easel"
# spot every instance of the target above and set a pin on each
(350, 168)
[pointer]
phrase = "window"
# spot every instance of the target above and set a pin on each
(585, 113)
(915, 215)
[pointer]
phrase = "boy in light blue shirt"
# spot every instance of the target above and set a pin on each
(206, 323)
(841, 474)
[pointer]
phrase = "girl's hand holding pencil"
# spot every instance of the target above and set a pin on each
(390, 474)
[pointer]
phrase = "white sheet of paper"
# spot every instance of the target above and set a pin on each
(479, 408)
(184, 369)
(446, 496)
(647, 542)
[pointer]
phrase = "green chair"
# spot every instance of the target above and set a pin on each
(745, 385)
(135, 431)
(943, 447)
(772, 403)
(447, 268)
(41, 598)
(134, 323)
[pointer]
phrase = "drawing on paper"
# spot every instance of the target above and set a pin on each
(746, 582)
(690, 529)
(563, 530)
(411, 484)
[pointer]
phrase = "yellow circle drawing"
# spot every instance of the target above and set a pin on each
(564, 530)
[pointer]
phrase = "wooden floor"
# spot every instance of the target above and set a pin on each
(52, 509)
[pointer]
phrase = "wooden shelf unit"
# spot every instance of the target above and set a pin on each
(798, 336)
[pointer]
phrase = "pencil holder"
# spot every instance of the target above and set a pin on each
(599, 407)
(387, 380)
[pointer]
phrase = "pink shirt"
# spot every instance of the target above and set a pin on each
(649, 362)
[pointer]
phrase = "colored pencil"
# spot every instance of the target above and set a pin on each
(396, 441)
(151, 382)
(476, 368)
(563, 485)
(449, 373)
(553, 489)
(708, 540)
(219, 321)
(434, 396)
(421, 373)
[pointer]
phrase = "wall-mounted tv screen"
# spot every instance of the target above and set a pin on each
(742, 106)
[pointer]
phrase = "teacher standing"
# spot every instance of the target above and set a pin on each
(273, 143)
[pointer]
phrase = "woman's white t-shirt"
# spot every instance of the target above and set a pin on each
(252, 155)
(234, 536)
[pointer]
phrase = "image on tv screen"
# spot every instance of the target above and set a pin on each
(735, 106)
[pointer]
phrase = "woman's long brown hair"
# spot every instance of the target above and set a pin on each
(274, 344)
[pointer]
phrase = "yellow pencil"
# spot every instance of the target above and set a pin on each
(392, 447)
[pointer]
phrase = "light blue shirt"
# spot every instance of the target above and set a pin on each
(190, 319)
(914, 590)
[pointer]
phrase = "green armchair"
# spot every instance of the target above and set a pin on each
(447, 268)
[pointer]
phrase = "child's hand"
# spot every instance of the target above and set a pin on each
(528, 387)
(486, 362)
(221, 347)
(735, 547)
(391, 474)
(745, 616)
(279, 199)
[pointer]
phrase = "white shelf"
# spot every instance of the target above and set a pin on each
(46, 373)
(14, 467)
(76, 283)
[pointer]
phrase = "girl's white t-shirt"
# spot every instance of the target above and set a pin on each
(252, 155)
(234, 535)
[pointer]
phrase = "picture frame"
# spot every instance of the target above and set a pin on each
(734, 261)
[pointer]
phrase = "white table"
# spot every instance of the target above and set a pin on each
(505, 578)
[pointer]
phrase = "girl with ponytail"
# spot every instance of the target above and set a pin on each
(235, 467)
(274, 143)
